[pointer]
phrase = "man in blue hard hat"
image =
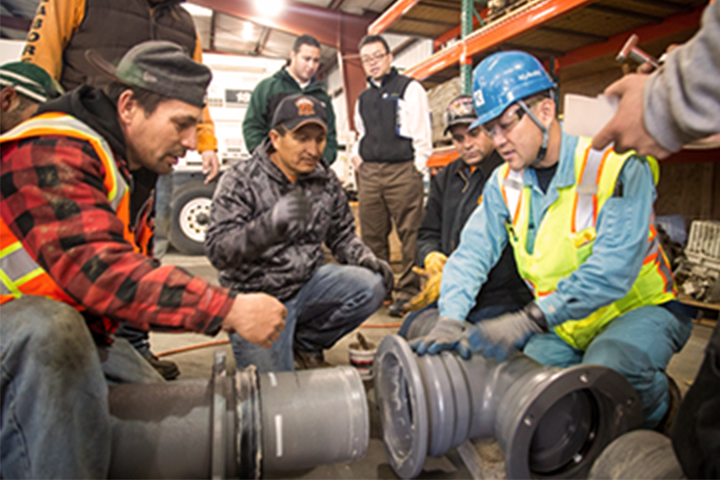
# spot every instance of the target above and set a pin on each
(580, 222)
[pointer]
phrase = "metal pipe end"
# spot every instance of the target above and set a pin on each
(558, 429)
(400, 397)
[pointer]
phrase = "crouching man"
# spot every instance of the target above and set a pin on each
(73, 230)
(269, 219)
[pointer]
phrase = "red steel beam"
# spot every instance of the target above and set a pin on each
(389, 16)
(671, 25)
(494, 34)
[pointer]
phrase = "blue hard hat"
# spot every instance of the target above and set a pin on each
(504, 78)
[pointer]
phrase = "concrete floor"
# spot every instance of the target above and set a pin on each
(197, 363)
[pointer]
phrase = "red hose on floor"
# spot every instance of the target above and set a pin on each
(216, 343)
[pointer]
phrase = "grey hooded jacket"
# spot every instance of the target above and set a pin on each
(682, 99)
(250, 254)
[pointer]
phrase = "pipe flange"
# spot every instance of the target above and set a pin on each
(400, 397)
(565, 420)
(441, 403)
(461, 395)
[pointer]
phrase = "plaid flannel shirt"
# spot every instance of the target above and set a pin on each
(54, 201)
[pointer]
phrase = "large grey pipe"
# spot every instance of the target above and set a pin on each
(549, 422)
(238, 425)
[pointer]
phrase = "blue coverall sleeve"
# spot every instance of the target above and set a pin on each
(618, 252)
(482, 241)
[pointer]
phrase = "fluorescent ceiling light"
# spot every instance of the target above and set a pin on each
(248, 32)
(269, 8)
(197, 10)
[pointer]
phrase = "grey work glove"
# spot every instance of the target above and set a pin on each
(293, 208)
(445, 335)
(497, 337)
(371, 262)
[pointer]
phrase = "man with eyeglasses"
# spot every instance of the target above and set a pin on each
(455, 192)
(580, 222)
(392, 118)
(298, 76)
(24, 88)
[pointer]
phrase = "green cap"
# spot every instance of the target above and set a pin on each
(30, 81)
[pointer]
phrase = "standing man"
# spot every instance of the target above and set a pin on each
(269, 219)
(298, 76)
(70, 233)
(455, 193)
(392, 118)
(580, 222)
(23, 87)
(61, 33)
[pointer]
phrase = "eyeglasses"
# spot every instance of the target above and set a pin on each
(373, 58)
(494, 127)
(507, 121)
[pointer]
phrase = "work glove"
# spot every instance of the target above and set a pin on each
(445, 335)
(497, 337)
(291, 209)
(434, 264)
(371, 262)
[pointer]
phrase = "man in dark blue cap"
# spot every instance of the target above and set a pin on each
(269, 219)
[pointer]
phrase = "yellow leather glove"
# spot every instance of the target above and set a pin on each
(434, 264)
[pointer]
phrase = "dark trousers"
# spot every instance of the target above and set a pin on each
(392, 192)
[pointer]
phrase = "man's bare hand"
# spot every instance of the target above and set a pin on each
(627, 128)
(356, 163)
(257, 317)
(210, 165)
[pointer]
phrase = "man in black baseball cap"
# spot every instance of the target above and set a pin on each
(76, 236)
(455, 193)
(269, 219)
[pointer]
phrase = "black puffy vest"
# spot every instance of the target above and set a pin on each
(379, 112)
(112, 27)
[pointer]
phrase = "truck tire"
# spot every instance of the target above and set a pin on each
(190, 217)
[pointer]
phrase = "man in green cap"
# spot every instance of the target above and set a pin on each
(24, 88)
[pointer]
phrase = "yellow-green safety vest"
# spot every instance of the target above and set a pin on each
(566, 234)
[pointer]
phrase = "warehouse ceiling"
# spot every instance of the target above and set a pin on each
(577, 31)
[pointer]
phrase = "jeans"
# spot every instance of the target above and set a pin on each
(335, 300)
(419, 323)
(54, 390)
(140, 339)
(637, 344)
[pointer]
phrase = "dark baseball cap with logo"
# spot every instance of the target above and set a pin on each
(161, 67)
(459, 111)
(295, 111)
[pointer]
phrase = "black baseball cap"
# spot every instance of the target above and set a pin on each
(161, 67)
(459, 111)
(297, 110)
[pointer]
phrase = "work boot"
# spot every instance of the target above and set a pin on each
(666, 423)
(309, 360)
(169, 370)
(396, 309)
(387, 301)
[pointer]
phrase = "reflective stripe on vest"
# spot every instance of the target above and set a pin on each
(556, 255)
(19, 273)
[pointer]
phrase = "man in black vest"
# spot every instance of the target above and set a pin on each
(392, 118)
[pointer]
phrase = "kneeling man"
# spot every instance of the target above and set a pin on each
(269, 219)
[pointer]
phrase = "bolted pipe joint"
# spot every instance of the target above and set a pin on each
(238, 426)
(549, 422)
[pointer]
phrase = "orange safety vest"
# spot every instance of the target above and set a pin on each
(20, 274)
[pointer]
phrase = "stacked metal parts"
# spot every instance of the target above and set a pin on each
(549, 422)
(238, 426)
